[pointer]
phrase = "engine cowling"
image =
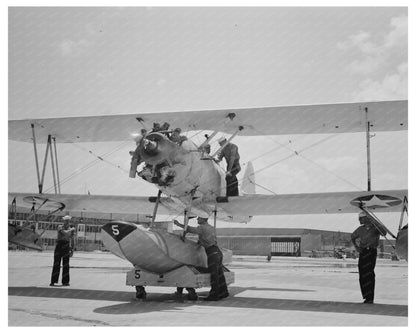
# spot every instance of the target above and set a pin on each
(156, 149)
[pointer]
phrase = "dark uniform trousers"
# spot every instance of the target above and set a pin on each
(366, 265)
(62, 252)
(218, 284)
(232, 181)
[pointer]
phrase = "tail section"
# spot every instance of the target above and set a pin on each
(402, 243)
(248, 186)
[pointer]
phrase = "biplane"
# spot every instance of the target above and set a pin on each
(189, 180)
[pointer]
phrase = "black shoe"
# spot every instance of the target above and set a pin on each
(192, 295)
(211, 299)
(52, 284)
(178, 292)
(65, 284)
(224, 295)
(368, 301)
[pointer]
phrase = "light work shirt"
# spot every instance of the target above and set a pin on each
(206, 234)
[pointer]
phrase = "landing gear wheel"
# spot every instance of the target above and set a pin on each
(140, 292)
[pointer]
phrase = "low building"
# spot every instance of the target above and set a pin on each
(282, 241)
(241, 241)
(88, 230)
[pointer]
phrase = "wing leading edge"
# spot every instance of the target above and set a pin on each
(247, 205)
(313, 203)
(94, 205)
(281, 120)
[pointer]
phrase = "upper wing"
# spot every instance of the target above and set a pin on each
(326, 118)
(94, 205)
(313, 203)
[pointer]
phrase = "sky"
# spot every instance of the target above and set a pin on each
(94, 61)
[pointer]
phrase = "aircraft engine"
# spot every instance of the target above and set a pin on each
(156, 149)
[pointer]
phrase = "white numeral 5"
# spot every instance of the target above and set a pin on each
(114, 227)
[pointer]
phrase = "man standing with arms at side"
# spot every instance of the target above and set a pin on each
(62, 252)
(365, 240)
(208, 239)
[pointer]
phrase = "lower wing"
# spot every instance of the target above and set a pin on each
(93, 205)
(313, 203)
(246, 205)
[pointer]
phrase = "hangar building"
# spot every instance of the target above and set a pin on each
(241, 241)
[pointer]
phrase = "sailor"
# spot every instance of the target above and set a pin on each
(206, 148)
(208, 239)
(156, 127)
(177, 137)
(365, 240)
(63, 250)
(135, 155)
(230, 152)
(165, 129)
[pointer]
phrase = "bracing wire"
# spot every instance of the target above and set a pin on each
(91, 163)
(295, 153)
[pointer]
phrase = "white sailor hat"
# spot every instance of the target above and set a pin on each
(202, 219)
(362, 214)
(67, 217)
(222, 139)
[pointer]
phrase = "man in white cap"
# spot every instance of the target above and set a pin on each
(230, 153)
(62, 252)
(365, 240)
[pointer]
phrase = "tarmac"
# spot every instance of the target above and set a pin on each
(286, 291)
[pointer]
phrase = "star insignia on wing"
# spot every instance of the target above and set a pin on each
(376, 201)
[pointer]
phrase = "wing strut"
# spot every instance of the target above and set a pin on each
(240, 128)
(368, 136)
(13, 211)
(382, 229)
(58, 181)
(229, 118)
(403, 211)
(54, 160)
(187, 212)
(155, 209)
(185, 223)
(36, 157)
(215, 217)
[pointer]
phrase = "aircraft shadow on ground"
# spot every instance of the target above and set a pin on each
(167, 301)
